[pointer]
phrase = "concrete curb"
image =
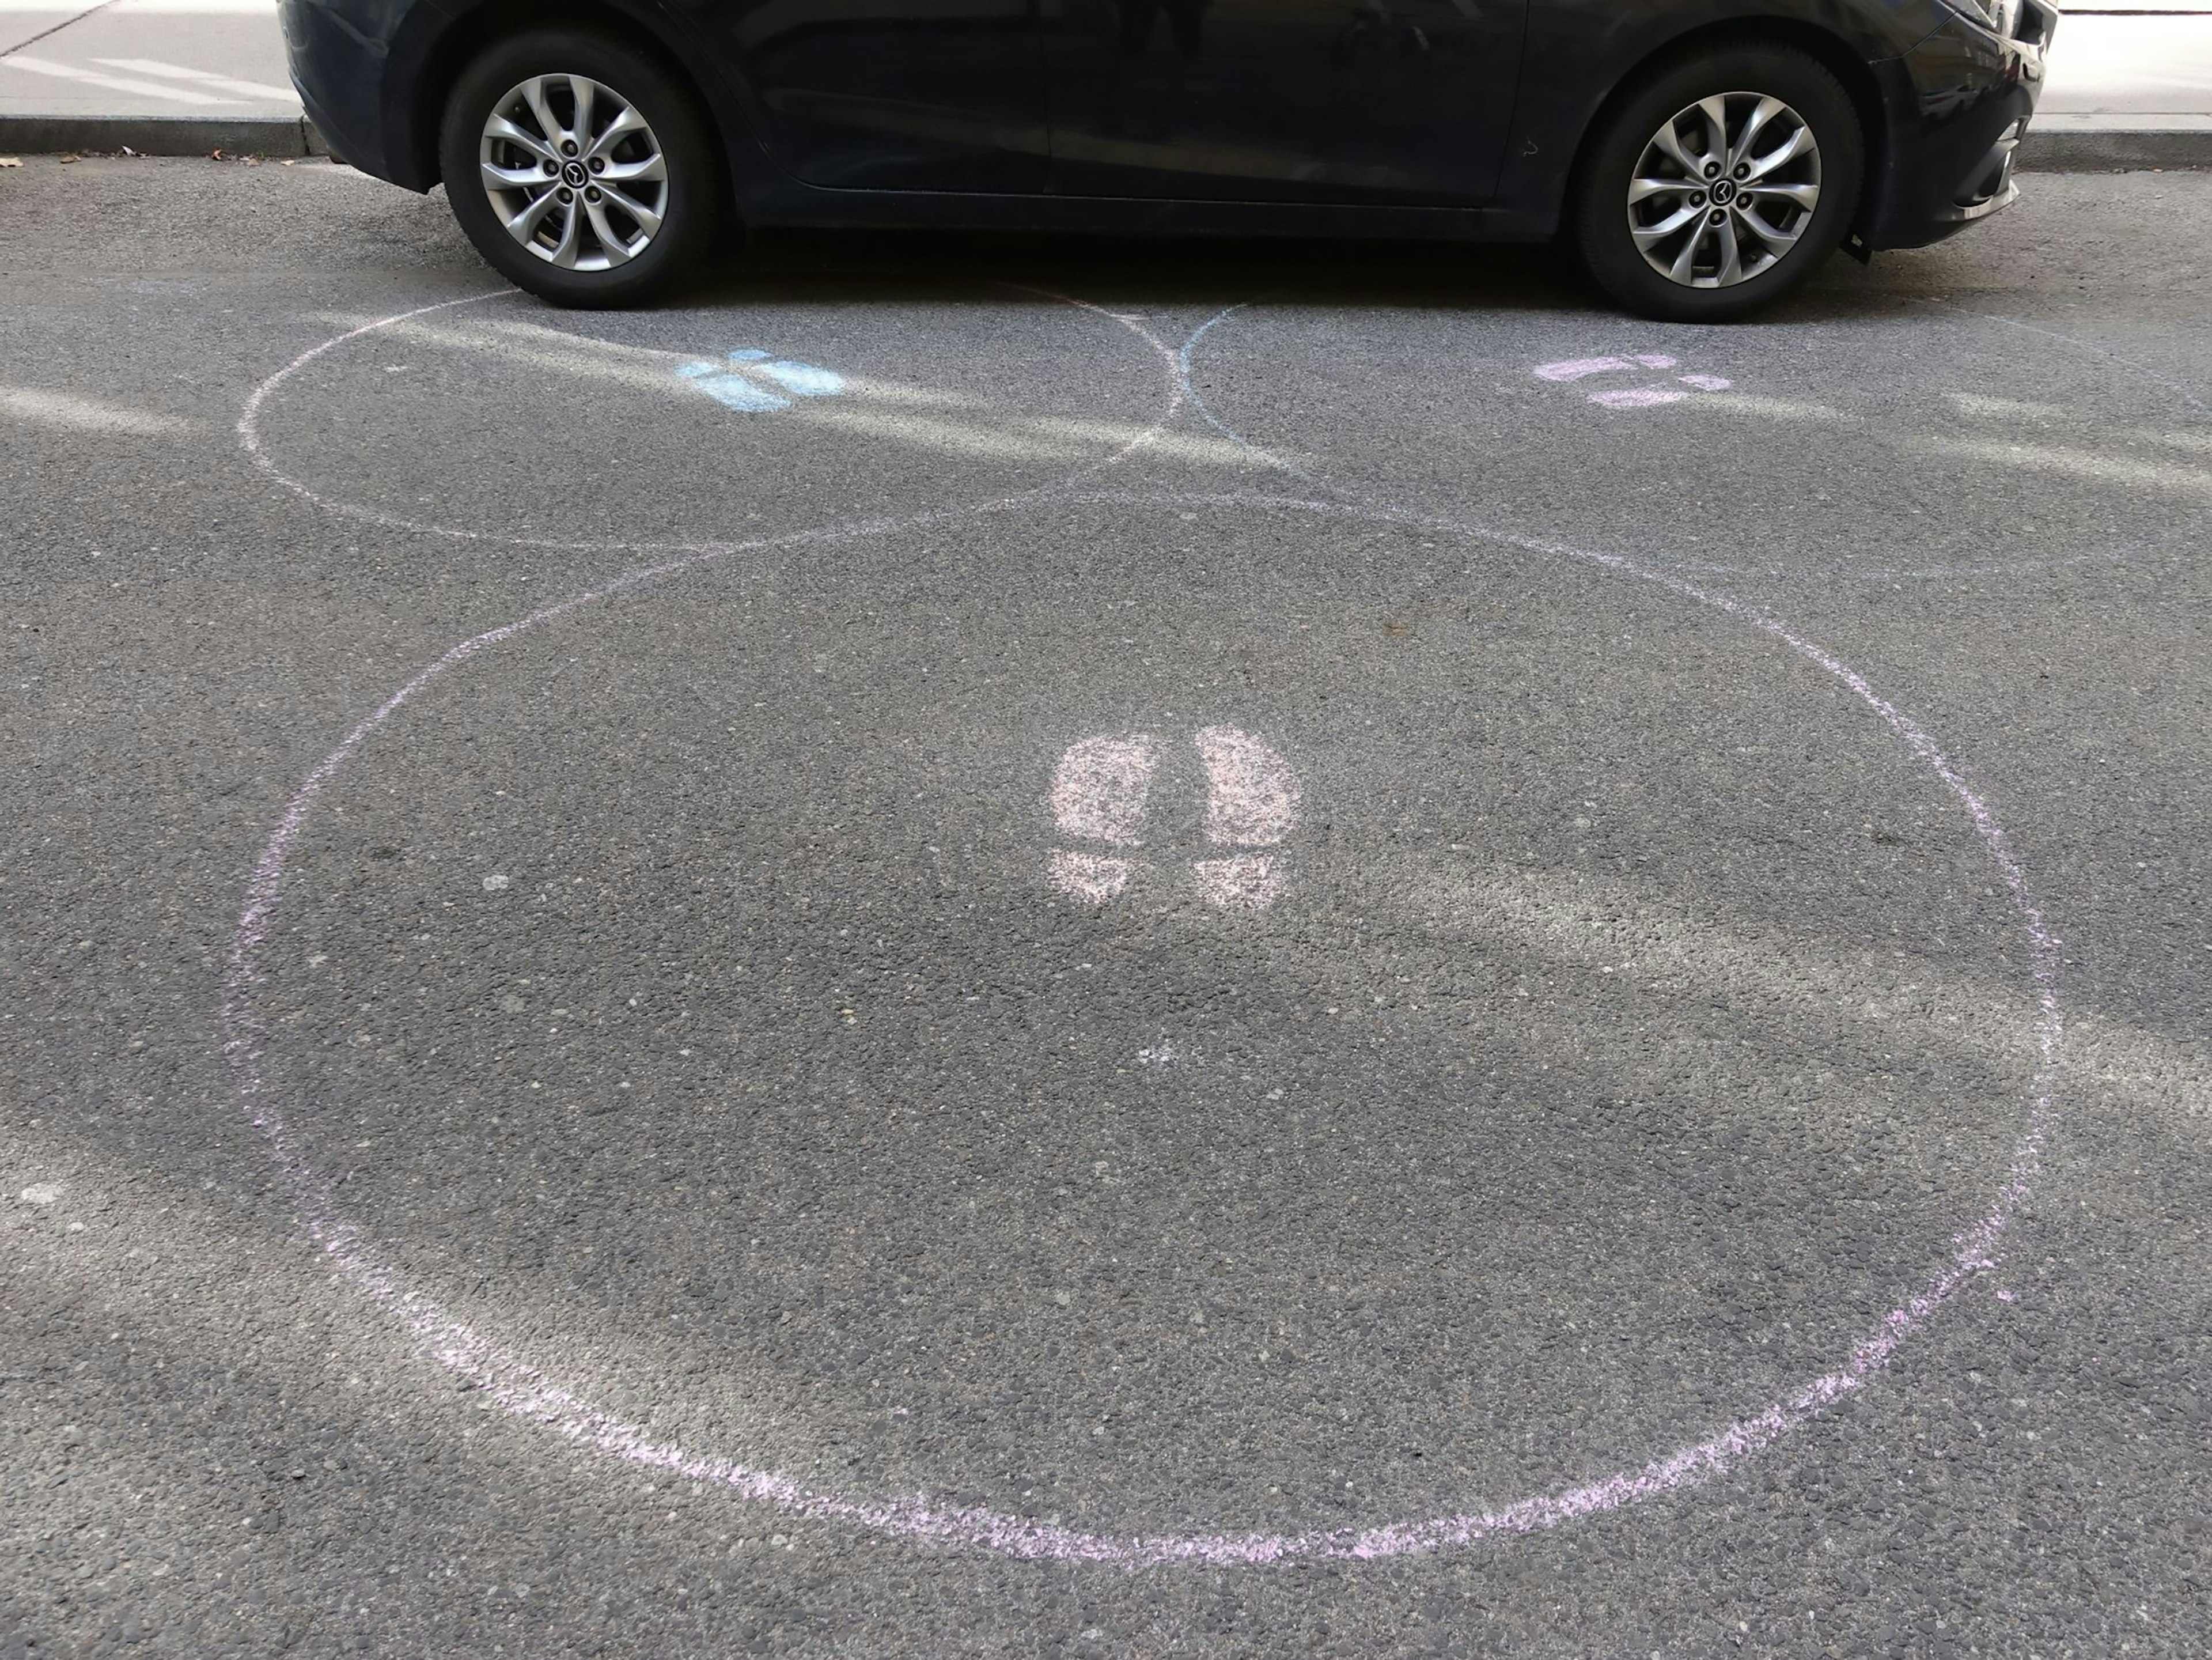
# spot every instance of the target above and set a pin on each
(2055, 143)
(160, 135)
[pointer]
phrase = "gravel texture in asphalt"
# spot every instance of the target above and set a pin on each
(976, 947)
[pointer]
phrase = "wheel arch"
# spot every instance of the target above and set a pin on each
(428, 56)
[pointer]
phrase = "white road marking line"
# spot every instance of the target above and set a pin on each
(112, 82)
(177, 72)
(145, 7)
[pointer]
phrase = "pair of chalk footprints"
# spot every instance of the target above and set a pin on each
(1103, 793)
(1630, 398)
(755, 382)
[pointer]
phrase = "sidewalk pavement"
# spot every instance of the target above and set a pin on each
(2130, 82)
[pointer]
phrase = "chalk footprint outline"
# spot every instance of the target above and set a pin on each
(736, 384)
(1101, 792)
(1630, 398)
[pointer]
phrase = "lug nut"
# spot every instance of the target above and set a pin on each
(597, 166)
(567, 195)
(568, 147)
(1697, 198)
(1743, 170)
(592, 194)
(552, 166)
(1712, 169)
(1718, 216)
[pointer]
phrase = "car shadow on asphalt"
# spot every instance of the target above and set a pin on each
(1426, 276)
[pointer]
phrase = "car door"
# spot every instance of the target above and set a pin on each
(889, 94)
(1314, 100)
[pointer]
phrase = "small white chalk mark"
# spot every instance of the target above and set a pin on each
(1250, 881)
(1101, 787)
(42, 1194)
(1638, 398)
(733, 385)
(494, 883)
(1090, 876)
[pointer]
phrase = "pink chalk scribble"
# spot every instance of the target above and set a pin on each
(1706, 382)
(1101, 791)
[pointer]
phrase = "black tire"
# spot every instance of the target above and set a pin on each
(1598, 224)
(690, 200)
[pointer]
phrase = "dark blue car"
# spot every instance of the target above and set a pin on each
(1700, 156)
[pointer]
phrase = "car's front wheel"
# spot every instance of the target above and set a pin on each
(1719, 184)
(579, 167)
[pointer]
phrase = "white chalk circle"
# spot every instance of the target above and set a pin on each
(485, 421)
(1445, 413)
(1100, 804)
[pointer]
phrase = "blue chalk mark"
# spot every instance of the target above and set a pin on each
(803, 379)
(733, 386)
(734, 391)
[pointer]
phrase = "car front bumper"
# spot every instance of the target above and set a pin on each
(1964, 99)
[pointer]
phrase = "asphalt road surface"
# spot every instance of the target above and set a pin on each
(988, 947)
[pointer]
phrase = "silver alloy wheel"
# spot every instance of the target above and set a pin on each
(1723, 190)
(573, 172)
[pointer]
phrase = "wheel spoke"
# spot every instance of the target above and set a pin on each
(1648, 237)
(628, 122)
(1685, 268)
(564, 251)
(617, 249)
(499, 127)
(524, 225)
(1803, 196)
(1779, 242)
(534, 90)
(648, 220)
(1764, 112)
(1715, 110)
(497, 178)
(1639, 189)
(1731, 266)
(629, 172)
(582, 91)
(1799, 141)
(1670, 142)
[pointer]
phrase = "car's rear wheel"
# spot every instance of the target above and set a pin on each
(579, 167)
(1719, 184)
